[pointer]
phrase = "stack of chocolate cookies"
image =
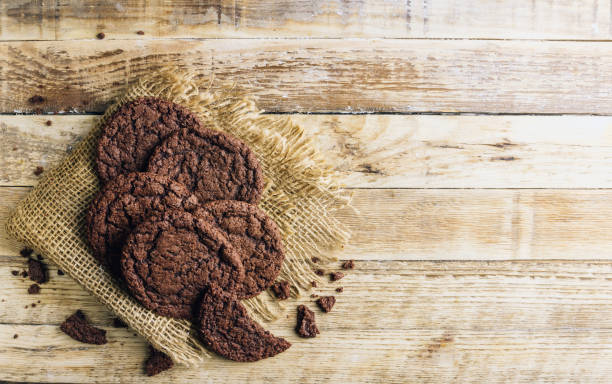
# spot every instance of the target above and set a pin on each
(177, 222)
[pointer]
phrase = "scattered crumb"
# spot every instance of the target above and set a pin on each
(24, 274)
(315, 259)
(140, 33)
(37, 271)
(36, 99)
(100, 35)
(157, 362)
(314, 295)
(38, 171)
(26, 307)
(77, 327)
(320, 272)
(340, 289)
(33, 305)
(38, 301)
(49, 123)
(14, 148)
(26, 252)
(15, 273)
(349, 264)
(313, 283)
(335, 276)
(326, 303)
(34, 289)
(306, 326)
(60, 272)
(15, 336)
(281, 289)
(118, 323)
(39, 257)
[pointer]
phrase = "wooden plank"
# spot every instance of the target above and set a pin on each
(395, 295)
(382, 151)
(447, 224)
(320, 75)
(567, 19)
(43, 353)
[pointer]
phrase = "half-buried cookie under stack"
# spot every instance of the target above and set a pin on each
(212, 164)
(254, 236)
(169, 259)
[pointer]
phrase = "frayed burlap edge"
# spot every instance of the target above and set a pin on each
(300, 195)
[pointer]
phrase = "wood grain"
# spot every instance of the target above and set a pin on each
(121, 19)
(321, 75)
(446, 224)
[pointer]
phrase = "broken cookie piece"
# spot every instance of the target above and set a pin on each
(157, 362)
(77, 327)
(281, 289)
(335, 276)
(326, 303)
(34, 289)
(306, 326)
(37, 271)
(349, 264)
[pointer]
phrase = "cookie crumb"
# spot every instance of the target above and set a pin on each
(34, 289)
(315, 259)
(326, 303)
(100, 35)
(15, 336)
(39, 257)
(24, 274)
(77, 327)
(118, 323)
(37, 271)
(340, 289)
(26, 252)
(157, 362)
(281, 289)
(38, 171)
(36, 99)
(60, 272)
(335, 276)
(314, 295)
(306, 326)
(49, 123)
(313, 283)
(15, 273)
(320, 272)
(140, 33)
(349, 264)
(33, 305)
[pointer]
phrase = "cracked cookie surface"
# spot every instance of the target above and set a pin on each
(168, 260)
(131, 134)
(212, 164)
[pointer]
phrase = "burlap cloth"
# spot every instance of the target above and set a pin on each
(300, 195)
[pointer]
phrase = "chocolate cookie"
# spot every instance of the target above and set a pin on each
(77, 327)
(254, 236)
(168, 260)
(126, 201)
(131, 134)
(226, 328)
(212, 164)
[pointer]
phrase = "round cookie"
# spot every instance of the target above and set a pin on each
(226, 328)
(131, 134)
(126, 201)
(167, 261)
(212, 164)
(254, 236)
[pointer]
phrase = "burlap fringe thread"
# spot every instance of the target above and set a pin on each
(300, 196)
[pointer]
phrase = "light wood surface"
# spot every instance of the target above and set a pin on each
(481, 237)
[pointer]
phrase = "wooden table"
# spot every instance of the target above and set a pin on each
(475, 134)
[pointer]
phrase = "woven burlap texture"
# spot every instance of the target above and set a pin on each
(300, 195)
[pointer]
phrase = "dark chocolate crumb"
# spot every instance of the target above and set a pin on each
(26, 252)
(15, 273)
(326, 303)
(38, 171)
(320, 272)
(335, 276)
(315, 259)
(38, 301)
(37, 271)
(39, 257)
(24, 274)
(15, 336)
(313, 283)
(60, 272)
(314, 295)
(33, 305)
(14, 149)
(26, 307)
(140, 33)
(77, 327)
(36, 99)
(306, 326)
(49, 123)
(281, 289)
(157, 362)
(349, 264)
(340, 289)
(34, 289)
(118, 323)
(100, 35)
